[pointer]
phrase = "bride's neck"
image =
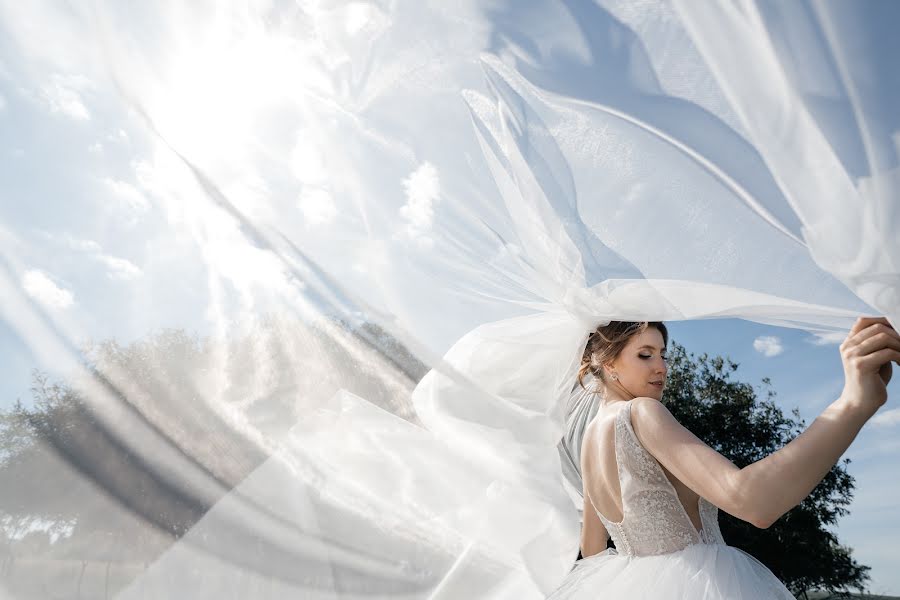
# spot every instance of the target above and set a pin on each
(609, 397)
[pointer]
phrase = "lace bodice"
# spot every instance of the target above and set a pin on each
(653, 519)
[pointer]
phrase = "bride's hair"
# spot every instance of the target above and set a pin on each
(606, 342)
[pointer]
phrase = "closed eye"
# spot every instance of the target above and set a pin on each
(649, 356)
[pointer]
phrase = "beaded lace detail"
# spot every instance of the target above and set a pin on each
(653, 519)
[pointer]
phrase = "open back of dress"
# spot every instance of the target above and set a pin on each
(653, 519)
(659, 553)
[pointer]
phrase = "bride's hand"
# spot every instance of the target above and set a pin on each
(867, 353)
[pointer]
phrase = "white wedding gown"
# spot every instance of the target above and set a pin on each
(659, 553)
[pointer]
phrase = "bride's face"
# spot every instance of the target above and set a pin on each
(641, 362)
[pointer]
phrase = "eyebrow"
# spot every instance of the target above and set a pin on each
(649, 346)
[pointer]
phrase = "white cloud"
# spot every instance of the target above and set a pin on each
(69, 241)
(888, 418)
(118, 136)
(62, 95)
(130, 195)
(75, 243)
(40, 287)
(146, 175)
(768, 345)
(423, 189)
(2, 103)
(317, 206)
(119, 268)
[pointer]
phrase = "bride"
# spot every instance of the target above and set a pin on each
(655, 488)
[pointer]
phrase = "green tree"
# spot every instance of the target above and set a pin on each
(727, 415)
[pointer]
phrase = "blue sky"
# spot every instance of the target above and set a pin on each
(809, 377)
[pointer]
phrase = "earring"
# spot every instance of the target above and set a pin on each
(615, 377)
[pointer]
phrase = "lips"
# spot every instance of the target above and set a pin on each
(659, 383)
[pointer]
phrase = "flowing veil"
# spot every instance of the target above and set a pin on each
(387, 229)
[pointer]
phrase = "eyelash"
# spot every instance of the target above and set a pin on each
(648, 356)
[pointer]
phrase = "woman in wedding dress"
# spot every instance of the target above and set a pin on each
(656, 489)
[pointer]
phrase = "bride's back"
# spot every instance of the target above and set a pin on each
(648, 511)
(598, 464)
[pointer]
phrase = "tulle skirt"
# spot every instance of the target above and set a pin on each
(697, 572)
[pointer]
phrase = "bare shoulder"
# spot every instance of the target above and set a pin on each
(650, 408)
(650, 415)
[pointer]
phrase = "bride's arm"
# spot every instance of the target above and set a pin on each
(763, 491)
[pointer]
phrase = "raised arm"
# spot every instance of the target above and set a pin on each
(763, 491)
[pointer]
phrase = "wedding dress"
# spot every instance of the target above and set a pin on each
(659, 552)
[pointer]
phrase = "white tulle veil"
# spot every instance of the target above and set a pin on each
(581, 408)
(395, 224)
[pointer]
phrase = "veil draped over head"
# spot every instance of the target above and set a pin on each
(307, 284)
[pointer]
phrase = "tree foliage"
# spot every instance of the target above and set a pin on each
(728, 416)
(114, 463)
